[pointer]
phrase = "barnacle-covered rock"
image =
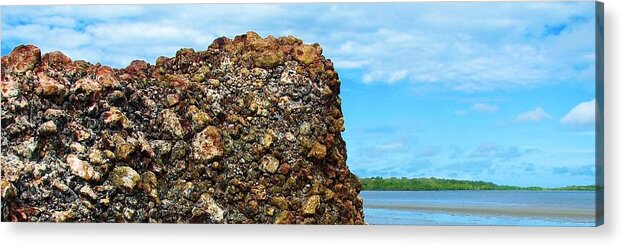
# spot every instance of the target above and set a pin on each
(207, 207)
(63, 216)
(56, 61)
(87, 191)
(171, 123)
(106, 77)
(82, 168)
(125, 178)
(49, 86)
(208, 144)
(150, 185)
(318, 151)
(247, 131)
(48, 128)
(10, 88)
(310, 205)
(269, 164)
(307, 53)
(114, 117)
(23, 58)
(86, 89)
(8, 190)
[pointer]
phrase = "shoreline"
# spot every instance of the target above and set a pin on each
(527, 190)
(491, 210)
(481, 207)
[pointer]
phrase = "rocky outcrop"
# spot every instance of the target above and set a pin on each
(248, 131)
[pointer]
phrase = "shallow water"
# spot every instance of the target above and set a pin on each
(514, 208)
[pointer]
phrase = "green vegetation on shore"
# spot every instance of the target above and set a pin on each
(413, 184)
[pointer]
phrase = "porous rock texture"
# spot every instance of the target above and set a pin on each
(248, 131)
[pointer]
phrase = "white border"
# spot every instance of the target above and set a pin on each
(149, 234)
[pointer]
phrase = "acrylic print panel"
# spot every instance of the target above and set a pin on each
(436, 113)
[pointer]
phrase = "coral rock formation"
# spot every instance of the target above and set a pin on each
(248, 131)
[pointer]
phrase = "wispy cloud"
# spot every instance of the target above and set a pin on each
(350, 64)
(535, 115)
(491, 151)
(483, 107)
(582, 114)
(456, 46)
(586, 170)
(460, 112)
(478, 108)
(390, 146)
(427, 151)
(118, 34)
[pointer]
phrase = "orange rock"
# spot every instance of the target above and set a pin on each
(23, 58)
(88, 87)
(106, 77)
(56, 60)
(177, 81)
(138, 68)
(306, 54)
(49, 86)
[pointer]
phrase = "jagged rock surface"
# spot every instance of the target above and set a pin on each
(248, 131)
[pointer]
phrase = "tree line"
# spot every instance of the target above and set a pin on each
(415, 184)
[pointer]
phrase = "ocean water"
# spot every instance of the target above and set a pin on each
(510, 208)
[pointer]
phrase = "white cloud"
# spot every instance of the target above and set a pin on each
(67, 38)
(464, 47)
(477, 107)
(485, 108)
(535, 115)
(115, 35)
(370, 77)
(582, 114)
(390, 146)
(385, 77)
(470, 48)
(397, 76)
(350, 64)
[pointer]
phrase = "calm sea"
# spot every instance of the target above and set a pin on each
(520, 208)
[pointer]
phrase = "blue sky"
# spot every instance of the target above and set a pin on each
(501, 91)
